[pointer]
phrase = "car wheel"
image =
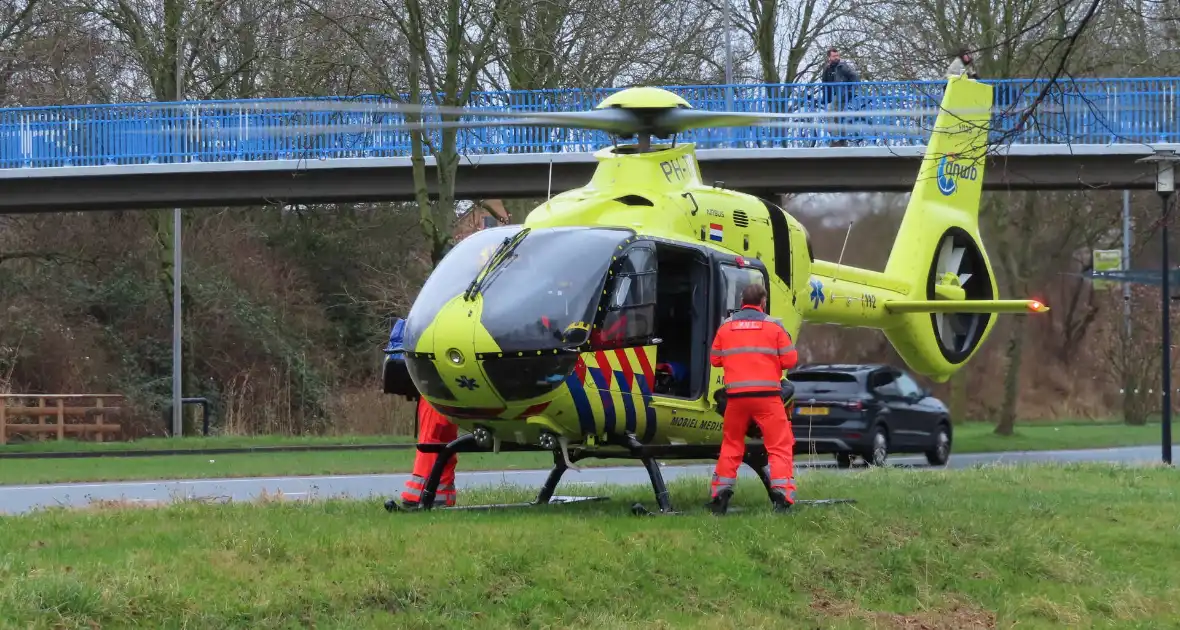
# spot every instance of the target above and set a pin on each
(941, 453)
(880, 448)
(843, 460)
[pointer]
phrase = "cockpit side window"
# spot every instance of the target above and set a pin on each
(733, 280)
(627, 316)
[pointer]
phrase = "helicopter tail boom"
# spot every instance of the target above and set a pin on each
(937, 299)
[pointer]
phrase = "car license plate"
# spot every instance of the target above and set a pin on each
(813, 411)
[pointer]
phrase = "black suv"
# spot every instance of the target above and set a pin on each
(867, 410)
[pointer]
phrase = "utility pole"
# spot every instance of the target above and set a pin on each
(728, 56)
(1165, 186)
(1127, 260)
(728, 66)
(177, 259)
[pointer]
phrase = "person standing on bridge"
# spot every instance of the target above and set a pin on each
(963, 63)
(838, 96)
(754, 350)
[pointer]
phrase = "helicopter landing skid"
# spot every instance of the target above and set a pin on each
(393, 506)
(799, 503)
(562, 461)
(557, 500)
(755, 460)
(657, 484)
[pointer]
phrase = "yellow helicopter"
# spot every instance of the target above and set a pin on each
(586, 330)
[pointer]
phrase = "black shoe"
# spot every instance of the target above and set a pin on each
(406, 506)
(720, 503)
(781, 505)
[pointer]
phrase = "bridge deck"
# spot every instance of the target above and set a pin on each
(760, 171)
(1083, 133)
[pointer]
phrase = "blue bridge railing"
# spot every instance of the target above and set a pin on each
(1082, 111)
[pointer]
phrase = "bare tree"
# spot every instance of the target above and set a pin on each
(442, 46)
(177, 44)
(1133, 356)
(1009, 38)
(563, 44)
(20, 23)
(787, 38)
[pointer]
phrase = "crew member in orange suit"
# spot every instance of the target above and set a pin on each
(754, 349)
(433, 427)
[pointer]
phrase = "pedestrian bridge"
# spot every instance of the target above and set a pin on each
(1083, 133)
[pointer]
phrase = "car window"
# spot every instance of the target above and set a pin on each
(811, 383)
(885, 383)
(907, 386)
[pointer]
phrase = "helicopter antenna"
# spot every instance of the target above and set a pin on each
(846, 235)
(549, 193)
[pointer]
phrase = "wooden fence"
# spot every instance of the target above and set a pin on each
(60, 415)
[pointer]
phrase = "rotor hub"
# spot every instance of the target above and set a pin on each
(644, 98)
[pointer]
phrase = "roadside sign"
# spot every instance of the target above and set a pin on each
(1107, 260)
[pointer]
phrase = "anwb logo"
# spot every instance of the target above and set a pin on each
(949, 172)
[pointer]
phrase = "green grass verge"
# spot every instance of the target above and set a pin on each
(1071, 546)
(978, 437)
(195, 443)
(969, 430)
(969, 438)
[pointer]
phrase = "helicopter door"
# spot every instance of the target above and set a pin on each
(731, 279)
(682, 322)
(656, 303)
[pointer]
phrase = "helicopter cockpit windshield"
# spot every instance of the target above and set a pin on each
(546, 294)
(540, 290)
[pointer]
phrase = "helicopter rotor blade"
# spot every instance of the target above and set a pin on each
(680, 120)
(390, 107)
(620, 126)
(706, 117)
(619, 121)
(616, 121)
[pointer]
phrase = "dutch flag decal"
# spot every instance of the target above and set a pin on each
(714, 232)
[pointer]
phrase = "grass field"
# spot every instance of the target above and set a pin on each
(1072, 546)
(969, 438)
(197, 443)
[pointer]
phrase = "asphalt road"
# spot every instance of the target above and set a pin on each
(18, 499)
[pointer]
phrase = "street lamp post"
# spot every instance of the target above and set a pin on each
(1127, 260)
(728, 66)
(728, 55)
(177, 261)
(1165, 186)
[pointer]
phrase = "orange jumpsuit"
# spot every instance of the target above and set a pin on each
(754, 349)
(433, 427)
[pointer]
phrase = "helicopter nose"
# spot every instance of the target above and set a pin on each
(456, 344)
(461, 371)
(484, 380)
